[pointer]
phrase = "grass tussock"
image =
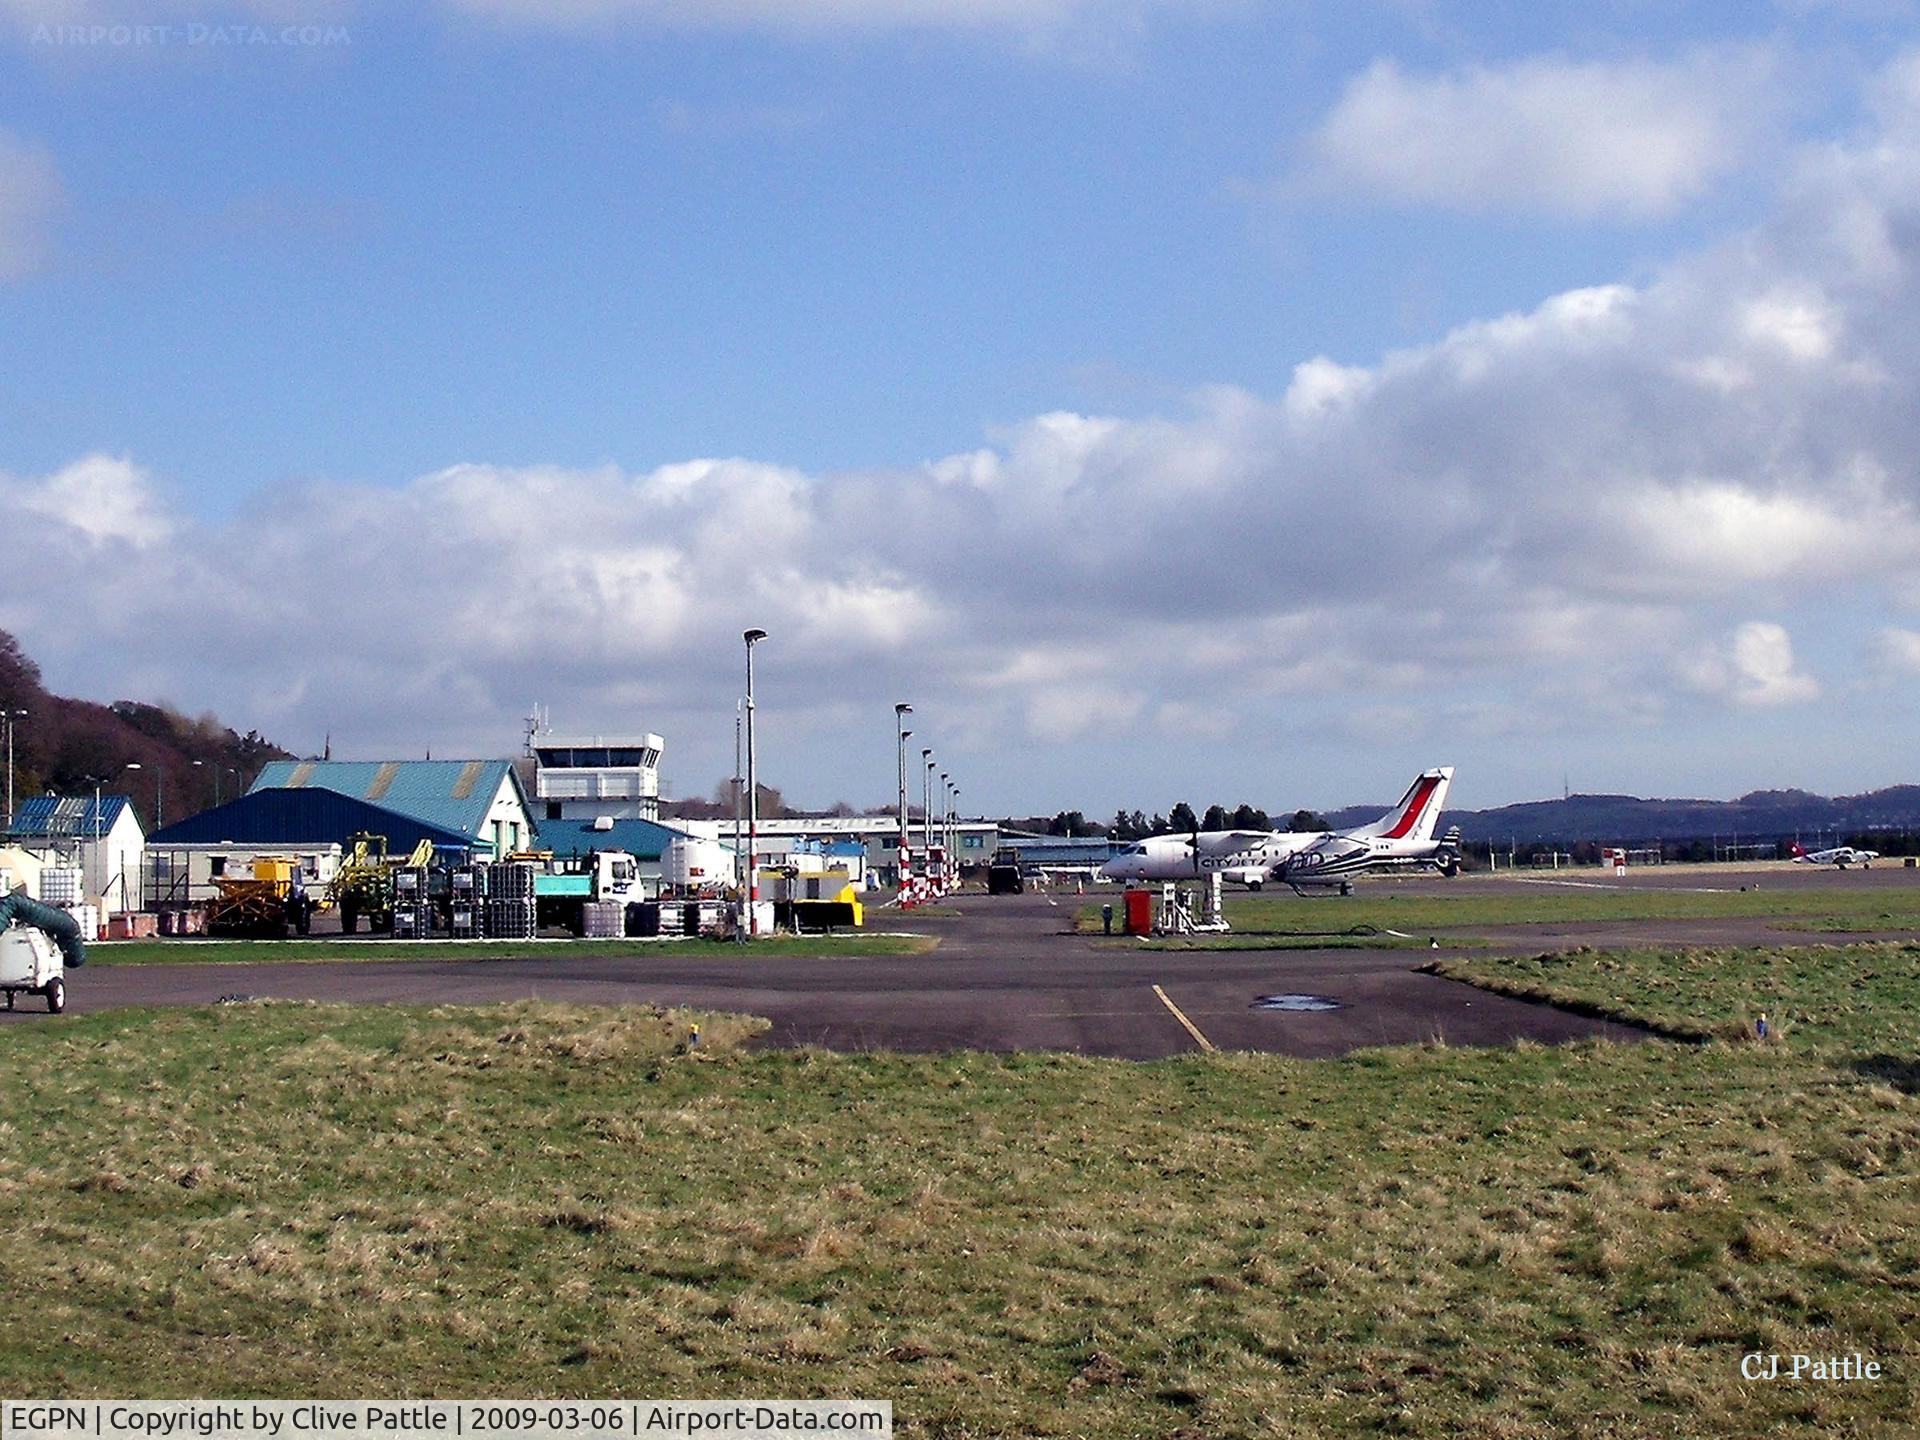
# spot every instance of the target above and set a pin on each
(299, 1199)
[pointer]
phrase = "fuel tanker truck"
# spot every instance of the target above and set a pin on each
(37, 943)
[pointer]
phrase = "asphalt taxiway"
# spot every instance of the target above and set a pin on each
(1009, 974)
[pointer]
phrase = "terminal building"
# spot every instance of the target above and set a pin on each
(867, 845)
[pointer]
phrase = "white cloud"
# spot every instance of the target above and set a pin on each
(100, 499)
(1754, 667)
(31, 196)
(1898, 650)
(1588, 138)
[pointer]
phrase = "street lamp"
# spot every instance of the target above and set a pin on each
(953, 840)
(739, 801)
(159, 778)
(946, 849)
(926, 804)
(752, 637)
(11, 717)
(900, 713)
(955, 852)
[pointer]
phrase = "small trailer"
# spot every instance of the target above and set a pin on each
(37, 944)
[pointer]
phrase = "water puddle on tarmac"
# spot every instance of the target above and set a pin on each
(1294, 1002)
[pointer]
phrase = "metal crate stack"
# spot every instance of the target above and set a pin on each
(706, 917)
(673, 917)
(412, 913)
(467, 894)
(511, 908)
(59, 886)
(604, 919)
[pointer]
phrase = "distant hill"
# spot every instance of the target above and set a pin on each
(1626, 819)
(63, 745)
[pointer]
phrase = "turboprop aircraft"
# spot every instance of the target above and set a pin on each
(1248, 857)
(1840, 855)
(1403, 838)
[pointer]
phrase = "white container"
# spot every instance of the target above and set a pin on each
(60, 885)
(696, 864)
(28, 959)
(87, 917)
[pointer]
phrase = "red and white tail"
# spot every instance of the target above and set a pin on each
(1418, 811)
(1798, 852)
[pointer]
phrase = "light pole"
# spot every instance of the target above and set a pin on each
(926, 808)
(158, 779)
(900, 713)
(11, 717)
(953, 837)
(954, 851)
(946, 847)
(753, 798)
(739, 801)
(94, 780)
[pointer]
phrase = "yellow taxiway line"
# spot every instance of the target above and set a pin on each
(1191, 1028)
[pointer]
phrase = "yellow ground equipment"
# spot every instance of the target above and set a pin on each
(824, 901)
(264, 904)
(363, 885)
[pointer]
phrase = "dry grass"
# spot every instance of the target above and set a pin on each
(304, 1200)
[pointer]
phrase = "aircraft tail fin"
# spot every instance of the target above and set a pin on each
(1418, 812)
(1798, 851)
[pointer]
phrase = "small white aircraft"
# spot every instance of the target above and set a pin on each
(1840, 855)
(1401, 839)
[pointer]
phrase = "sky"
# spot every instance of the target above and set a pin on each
(1171, 399)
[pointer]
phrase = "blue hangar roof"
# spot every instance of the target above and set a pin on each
(452, 794)
(49, 817)
(642, 839)
(294, 819)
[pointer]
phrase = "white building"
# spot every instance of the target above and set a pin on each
(878, 836)
(583, 777)
(104, 840)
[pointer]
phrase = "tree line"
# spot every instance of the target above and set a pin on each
(1130, 825)
(65, 747)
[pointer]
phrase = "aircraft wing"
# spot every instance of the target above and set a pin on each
(1231, 840)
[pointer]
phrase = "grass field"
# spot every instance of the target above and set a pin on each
(1851, 1001)
(1379, 907)
(1258, 940)
(291, 1199)
(260, 952)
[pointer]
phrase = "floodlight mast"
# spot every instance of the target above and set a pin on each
(900, 713)
(752, 637)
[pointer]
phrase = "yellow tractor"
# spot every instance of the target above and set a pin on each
(270, 902)
(363, 885)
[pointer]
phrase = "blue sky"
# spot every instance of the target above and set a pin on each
(983, 325)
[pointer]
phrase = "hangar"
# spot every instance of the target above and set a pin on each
(310, 809)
